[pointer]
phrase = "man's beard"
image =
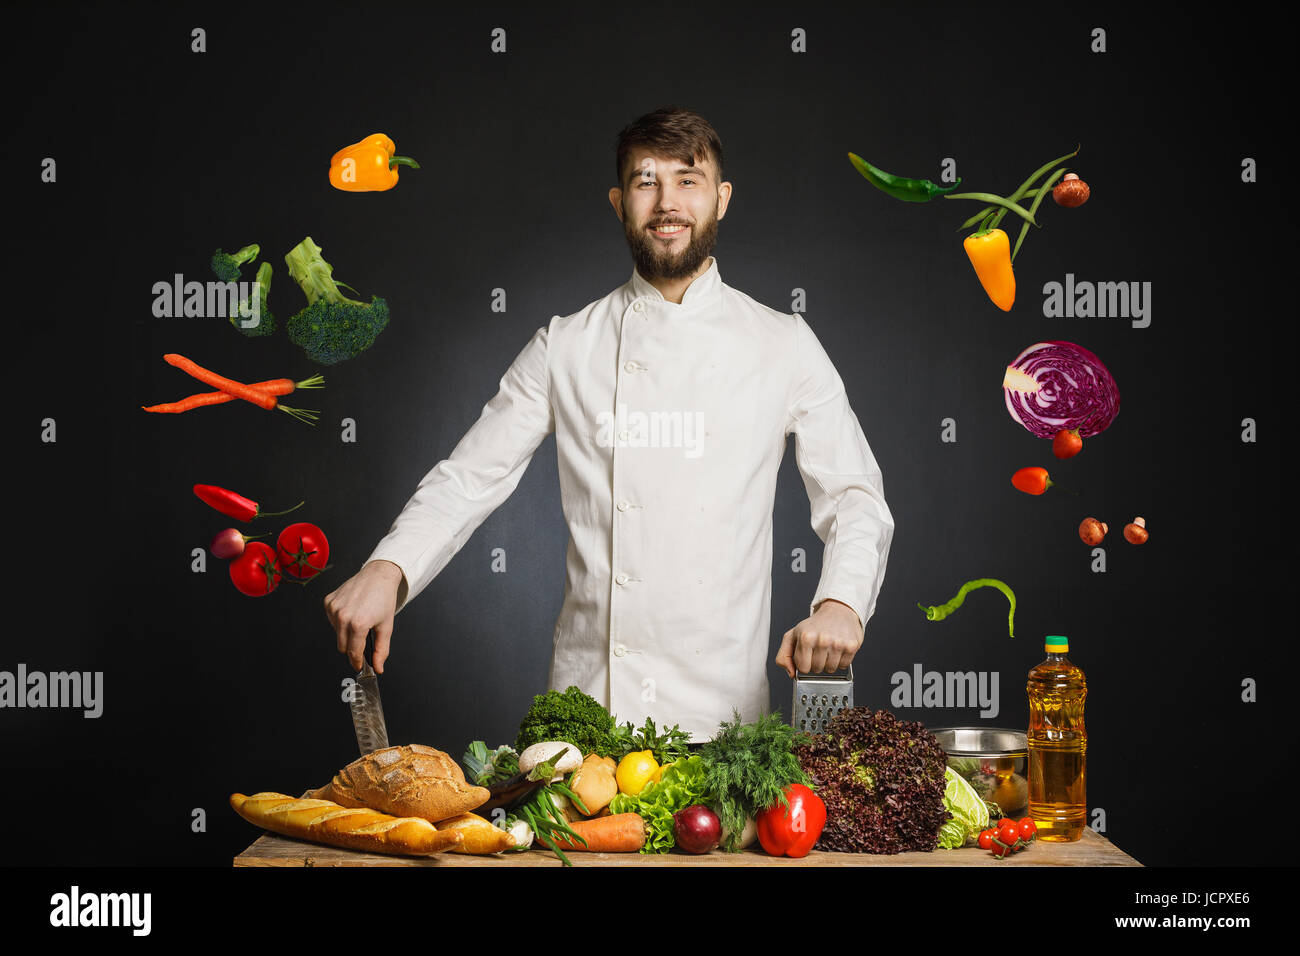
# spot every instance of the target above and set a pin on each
(651, 260)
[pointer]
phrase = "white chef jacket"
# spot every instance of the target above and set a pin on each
(670, 424)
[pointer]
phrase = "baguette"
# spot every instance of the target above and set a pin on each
(481, 835)
(409, 781)
(323, 821)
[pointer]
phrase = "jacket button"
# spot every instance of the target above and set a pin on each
(638, 306)
(624, 435)
(620, 650)
(630, 366)
(622, 506)
(621, 580)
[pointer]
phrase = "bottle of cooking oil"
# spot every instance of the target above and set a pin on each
(1058, 745)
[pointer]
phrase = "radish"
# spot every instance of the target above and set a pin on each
(230, 543)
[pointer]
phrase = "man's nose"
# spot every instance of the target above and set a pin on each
(668, 201)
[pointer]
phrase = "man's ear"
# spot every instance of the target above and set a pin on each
(724, 197)
(616, 200)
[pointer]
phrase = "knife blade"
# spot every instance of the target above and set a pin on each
(367, 708)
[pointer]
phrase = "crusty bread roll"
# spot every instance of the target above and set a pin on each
(323, 821)
(410, 781)
(481, 836)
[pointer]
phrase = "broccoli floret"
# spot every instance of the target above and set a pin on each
(332, 328)
(242, 313)
(226, 265)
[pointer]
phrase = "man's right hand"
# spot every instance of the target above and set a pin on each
(366, 600)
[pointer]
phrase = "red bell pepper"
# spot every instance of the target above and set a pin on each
(792, 830)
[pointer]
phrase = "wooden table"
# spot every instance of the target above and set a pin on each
(270, 849)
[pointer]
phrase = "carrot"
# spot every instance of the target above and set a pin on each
(238, 389)
(229, 385)
(615, 833)
(277, 386)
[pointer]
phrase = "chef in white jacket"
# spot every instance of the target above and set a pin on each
(671, 399)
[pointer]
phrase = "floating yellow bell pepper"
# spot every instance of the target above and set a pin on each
(368, 166)
(990, 254)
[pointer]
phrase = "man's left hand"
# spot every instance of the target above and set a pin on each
(823, 643)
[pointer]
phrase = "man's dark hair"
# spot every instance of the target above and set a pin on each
(674, 132)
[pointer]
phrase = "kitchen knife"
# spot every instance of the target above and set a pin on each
(367, 709)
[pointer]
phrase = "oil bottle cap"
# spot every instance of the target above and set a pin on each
(1056, 644)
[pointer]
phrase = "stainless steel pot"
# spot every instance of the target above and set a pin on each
(993, 760)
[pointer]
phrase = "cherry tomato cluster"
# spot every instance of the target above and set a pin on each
(257, 569)
(1008, 836)
(302, 551)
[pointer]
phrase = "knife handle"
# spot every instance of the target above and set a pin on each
(367, 653)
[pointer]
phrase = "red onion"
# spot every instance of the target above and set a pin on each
(696, 829)
(1056, 385)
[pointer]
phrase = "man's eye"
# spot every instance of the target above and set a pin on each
(648, 182)
(688, 181)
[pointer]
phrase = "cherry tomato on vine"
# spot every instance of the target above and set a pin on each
(256, 572)
(1008, 831)
(1028, 828)
(986, 839)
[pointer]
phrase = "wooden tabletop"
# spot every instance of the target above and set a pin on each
(1092, 850)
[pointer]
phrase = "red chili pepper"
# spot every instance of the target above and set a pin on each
(792, 831)
(1032, 481)
(233, 505)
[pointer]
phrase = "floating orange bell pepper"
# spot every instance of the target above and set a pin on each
(368, 166)
(990, 254)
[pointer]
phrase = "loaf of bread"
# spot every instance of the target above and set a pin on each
(481, 836)
(409, 781)
(323, 821)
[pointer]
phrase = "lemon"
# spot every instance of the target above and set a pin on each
(635, 771)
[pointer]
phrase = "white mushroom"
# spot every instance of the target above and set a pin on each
(540, 753)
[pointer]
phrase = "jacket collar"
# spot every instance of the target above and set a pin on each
(702, 292)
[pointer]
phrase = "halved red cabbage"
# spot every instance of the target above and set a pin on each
(1055, 385)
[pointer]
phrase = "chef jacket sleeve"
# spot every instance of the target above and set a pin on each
(483, 469)
(842, 478)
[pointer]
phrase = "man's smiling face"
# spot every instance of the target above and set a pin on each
(670, 210)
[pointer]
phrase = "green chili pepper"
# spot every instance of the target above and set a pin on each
(908, 190)
(943, 610)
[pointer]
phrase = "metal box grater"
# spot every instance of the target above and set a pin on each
(818, 698)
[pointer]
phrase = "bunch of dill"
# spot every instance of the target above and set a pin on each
(746, 770)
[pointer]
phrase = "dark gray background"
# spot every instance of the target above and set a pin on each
(164, 155)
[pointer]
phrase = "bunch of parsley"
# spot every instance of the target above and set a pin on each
(667, 746)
